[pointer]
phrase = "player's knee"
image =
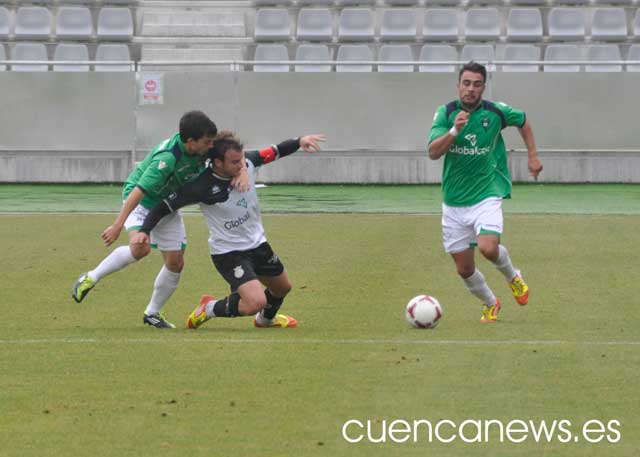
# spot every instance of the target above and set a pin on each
(283, 289)
(138, 251)
(175, 265)
(465, 270)
(254, 303)
(489, 250)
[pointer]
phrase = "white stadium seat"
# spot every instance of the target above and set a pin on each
(566, 24)
(482, 24)
(521, 52)
(71, 52)
(315, 24)
(310, 53)
(398, 53)
(272, 24)
(356, 24)
(562, 52)
(398, 24)
(113, 53)
(354, 52)
(115, 23)
(609, 24)
(5, 22)
(634, 55)
(524, 24)
(271, 52)
(603, 53)
(440, 24)
(33, 23)
(29, 51)
(74, 22)
(438, 53)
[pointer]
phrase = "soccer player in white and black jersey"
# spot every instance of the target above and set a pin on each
(237, 241)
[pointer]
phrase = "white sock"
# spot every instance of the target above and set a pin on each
(117, 260)
(477, 285)
(164, 286)
(208, 309)
(261, 320)
(503, 264)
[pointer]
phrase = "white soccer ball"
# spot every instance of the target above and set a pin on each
(423, 311)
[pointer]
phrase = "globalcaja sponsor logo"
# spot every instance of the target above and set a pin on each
(238, 222)
(474, 151)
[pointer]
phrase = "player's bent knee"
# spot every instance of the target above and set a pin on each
(138, 251)
(466, 271)
(175, 266)
(252, 305)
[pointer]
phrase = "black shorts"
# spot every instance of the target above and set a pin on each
(238, 267)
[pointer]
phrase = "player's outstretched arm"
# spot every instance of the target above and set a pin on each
(111, 233)
(535, 166)
(311, 143)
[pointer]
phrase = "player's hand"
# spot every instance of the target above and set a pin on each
(535, 167)
(111, 234)
(310, 143)
(139, 238)
(241, 183)
(461, 120)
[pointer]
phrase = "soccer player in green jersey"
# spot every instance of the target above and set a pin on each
(170, 164)
(475, 179)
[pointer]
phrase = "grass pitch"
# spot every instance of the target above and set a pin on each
(90, 379)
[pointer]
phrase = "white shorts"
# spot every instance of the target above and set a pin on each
(461, 225)
(168, 235)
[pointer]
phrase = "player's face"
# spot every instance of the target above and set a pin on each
(200, 146)
(470, 88)
(232, 164)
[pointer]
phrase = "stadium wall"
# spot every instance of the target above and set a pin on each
(79, 127)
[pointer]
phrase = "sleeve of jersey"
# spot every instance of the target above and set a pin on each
(513, 116)
(268, 155)
(440, 125)
(157, 172)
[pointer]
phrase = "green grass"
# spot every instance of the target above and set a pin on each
(89, 379)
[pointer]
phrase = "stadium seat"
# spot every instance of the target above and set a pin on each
(267, 52)
(634, 55)
(3, 56)
(272, 24)
(609, 24)
(477, 3)
(315, 24)
(355, 2)
(315, 2)
(482, 24)
(395, 52)
(566, 24)
(272, 2)
(613, 2)
(33, 23)
(636, 25)
(403, 2)
(29, 51)
(482, 53)
(5, 22)
(310, 53)
(398, 24)
(113, 53)
(74, 23)
(562, 52)
(440, 24)
(570, 2)
(68, 52)
(528, 2)
(354, 52)
(524, 24)
(438, 53)
(603, 52)
(356, 24)
(521, 52)
(115, 23)
(430, 3)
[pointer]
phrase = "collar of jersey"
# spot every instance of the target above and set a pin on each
(479, 107)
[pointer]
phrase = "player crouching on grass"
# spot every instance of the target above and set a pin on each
(475, 179)
(237, 241)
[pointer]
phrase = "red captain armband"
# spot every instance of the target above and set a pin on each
(268, 155)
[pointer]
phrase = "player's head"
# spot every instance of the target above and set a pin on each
(471, 84)
(197, 132)
(227, 155)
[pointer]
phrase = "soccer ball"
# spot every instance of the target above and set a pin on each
(423, 311)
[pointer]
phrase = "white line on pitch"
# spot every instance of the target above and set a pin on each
(310, 341)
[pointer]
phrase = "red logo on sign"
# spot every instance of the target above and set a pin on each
(150, 85)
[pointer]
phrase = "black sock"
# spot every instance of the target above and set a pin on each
(228, 306)
(273, 305)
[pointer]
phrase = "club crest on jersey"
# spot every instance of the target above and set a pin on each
(485, 123)
(215, 190)
(242, 202)
(162, 165)
(238, 272)
(273, 259)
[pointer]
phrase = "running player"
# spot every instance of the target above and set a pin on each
(475, 179)
(237, 241)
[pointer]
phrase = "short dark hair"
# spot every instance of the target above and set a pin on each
(223, 142)
(196, 124)
(473, 67)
